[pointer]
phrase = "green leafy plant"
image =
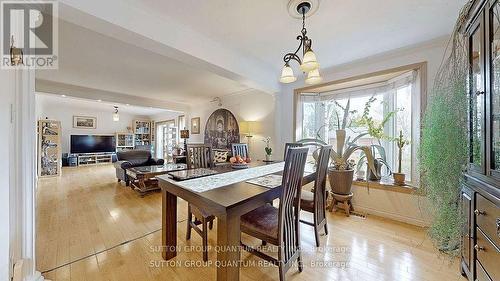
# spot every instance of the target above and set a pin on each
(401, 142)
(340, 157)
(443, 151)
(375, 129)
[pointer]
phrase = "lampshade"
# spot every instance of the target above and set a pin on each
(309, 62)
(184, 134)
(287, 75)
(313, 77)
(249, 127)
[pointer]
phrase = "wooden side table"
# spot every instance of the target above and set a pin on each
(345, 201)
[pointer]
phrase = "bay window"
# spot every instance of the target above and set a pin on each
(397, 95)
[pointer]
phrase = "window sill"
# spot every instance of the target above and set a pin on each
(388, 185)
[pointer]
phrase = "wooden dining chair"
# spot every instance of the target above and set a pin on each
(280, 226)
(290, 145)
(199, 156)
(315, 202)
(240, 149)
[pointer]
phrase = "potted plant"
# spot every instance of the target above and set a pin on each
(375, 129)
(268, 149)
(399, 178)
(341, 171)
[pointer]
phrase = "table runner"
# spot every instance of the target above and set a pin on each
(215, 181)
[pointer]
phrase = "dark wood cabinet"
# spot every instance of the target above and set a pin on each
(467, 241)
(480, 195)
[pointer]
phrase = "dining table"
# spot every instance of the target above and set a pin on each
(227, 195)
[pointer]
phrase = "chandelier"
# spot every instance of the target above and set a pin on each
(308, 63)
(116, 115)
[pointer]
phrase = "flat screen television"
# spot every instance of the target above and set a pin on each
(92, 144)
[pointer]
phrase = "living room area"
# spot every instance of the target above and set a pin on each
(251, 140)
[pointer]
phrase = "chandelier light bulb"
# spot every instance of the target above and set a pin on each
(287, 75)
(313, 77)
(309, 62)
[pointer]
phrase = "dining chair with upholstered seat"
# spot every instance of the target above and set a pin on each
(199, 156)
(240, 149)
(315, 202)
(290, 145)
(280, 226)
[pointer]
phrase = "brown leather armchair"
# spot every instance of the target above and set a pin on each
(133, 158)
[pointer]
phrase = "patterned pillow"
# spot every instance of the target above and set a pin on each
(220, 156)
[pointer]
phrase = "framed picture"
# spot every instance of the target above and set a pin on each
(195, 125)
(84, 122)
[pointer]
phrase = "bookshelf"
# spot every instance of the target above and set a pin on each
(49, 148)
(125, 141)
(143, 132)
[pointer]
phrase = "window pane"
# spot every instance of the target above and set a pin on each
(357, 105)
(476, 101)
(495, 89)
(309, 120)
(403, 123)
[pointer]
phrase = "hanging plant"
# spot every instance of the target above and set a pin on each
(443, 151)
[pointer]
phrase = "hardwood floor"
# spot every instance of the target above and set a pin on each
(87, 217)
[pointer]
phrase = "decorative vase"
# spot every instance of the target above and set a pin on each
(341, 181)
(399, 178)
(268, 158)
(370, 175)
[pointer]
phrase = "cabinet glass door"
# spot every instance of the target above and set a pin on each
(495, 86)
(476, 95)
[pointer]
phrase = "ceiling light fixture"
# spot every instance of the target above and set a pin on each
(309, 63)
(116, 115)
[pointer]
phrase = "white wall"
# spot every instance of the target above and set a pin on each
(64, 113)
(248, 106)
(168, 115)
(394, 205)
(409, 208)
(6, 94)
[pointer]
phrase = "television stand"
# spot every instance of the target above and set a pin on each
(88, 159)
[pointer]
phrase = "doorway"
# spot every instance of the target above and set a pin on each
(166, 140)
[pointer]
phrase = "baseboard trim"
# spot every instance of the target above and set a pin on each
(392, 216)
(37, 276)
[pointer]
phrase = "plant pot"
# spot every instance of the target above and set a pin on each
(399, 179)
(370, 175)
(268, 157)
(340, 181)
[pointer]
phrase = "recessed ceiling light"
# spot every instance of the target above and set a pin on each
(99, 100)
(63, 96)
(127, 104)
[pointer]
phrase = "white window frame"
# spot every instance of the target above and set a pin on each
(418, 103)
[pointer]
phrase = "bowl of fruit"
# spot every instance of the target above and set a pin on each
(238, 162)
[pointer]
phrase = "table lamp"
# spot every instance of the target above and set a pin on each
(248, 128)
(185, 136)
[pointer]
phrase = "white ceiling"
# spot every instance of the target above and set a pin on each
(221, 47)
(59, 101)
(93, 60)
(342, 30)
